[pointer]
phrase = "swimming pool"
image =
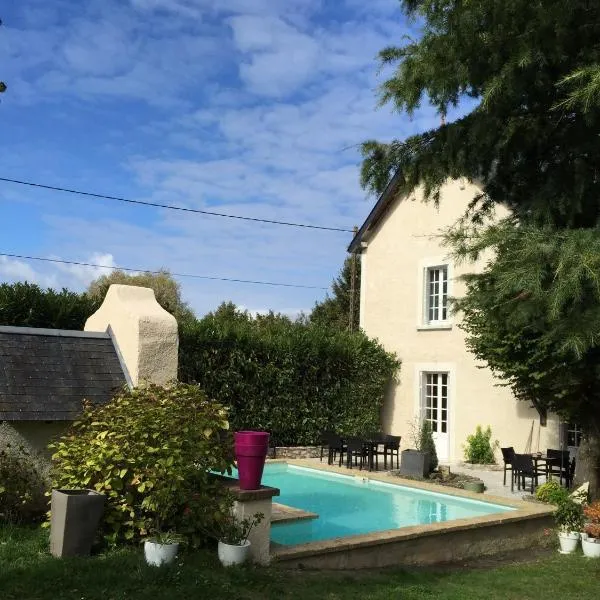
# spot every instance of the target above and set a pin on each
(351, 505)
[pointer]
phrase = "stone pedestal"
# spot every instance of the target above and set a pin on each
(247, 504)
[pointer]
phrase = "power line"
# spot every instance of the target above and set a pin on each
(171, 206)
(131, 269)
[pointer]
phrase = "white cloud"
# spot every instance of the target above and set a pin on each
(100, 48)
(106, 49)
(279, 142)
(83, 275)
(199, 7)
(279, 57)
(12, 269)
(57, 275)
(186, 8)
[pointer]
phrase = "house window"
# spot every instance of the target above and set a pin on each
(435, 401)
(436, 294)
(573, 435)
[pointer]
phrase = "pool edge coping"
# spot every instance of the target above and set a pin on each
(523, 511)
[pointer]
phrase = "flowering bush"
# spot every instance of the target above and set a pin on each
(592, 513)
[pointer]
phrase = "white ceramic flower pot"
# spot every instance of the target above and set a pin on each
(233, 555)
(160, 554)
(568, 541)
(591, 546)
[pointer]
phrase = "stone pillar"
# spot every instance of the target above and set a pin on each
(260, 536)
(247, 504)
(145, 334)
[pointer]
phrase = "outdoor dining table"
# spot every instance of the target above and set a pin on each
(546, 460)
(371, 447)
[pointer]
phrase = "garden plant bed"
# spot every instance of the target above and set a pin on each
(30, 573)
(454, 480)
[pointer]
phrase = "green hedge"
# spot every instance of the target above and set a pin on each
(290, 378)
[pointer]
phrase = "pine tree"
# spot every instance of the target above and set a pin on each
(334, 310)
(513, 56)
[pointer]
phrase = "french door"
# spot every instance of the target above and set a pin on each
(435, 407)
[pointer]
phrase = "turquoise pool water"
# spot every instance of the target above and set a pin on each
(348, 506)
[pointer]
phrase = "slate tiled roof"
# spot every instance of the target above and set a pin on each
(46, 373)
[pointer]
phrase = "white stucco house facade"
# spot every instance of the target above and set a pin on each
(407, 278)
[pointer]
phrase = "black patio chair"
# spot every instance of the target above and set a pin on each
(508, 455)
(391, 445)
(524, 468)
(560, 465)
(325, 438)
(356, 451)
(335, 445)
(376, 446)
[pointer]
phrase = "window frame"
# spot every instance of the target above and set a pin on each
(426, 267)
(575, 429)
(440, 409)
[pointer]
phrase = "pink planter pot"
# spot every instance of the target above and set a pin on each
(252, 438)
(250, 452)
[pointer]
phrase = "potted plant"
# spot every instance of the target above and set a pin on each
(161, 549)
(569, 520)
(162, 545)
(590, 538)
(423, 459)
(232, 536)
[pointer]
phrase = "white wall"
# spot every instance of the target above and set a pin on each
(406, 240)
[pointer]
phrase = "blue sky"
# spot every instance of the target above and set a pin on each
(249, 108)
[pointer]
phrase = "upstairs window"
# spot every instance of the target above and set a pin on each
(573, 434)
(436, 294)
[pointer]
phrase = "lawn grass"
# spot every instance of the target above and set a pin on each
(28, 572)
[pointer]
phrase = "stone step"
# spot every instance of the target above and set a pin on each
(288, 514)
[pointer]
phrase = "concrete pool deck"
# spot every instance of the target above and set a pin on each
(450, 541)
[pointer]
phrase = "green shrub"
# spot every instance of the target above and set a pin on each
(289, 378)
(480, 448)
(551, 492)
(28, 305)
(569, 515)
(149, 451)
(427, 444)
(22, 486)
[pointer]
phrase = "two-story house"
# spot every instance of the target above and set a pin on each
(406, 282)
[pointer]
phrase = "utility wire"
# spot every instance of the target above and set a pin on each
(171, 206)
(131, 269)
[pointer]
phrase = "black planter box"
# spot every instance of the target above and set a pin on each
(414, 463)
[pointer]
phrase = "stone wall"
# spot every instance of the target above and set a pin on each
(296, 452)
(421, 546)
(33, 437)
